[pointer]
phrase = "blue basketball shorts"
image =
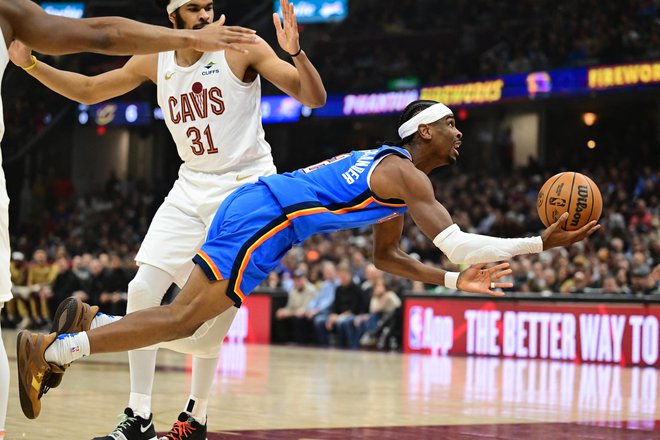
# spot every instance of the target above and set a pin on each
(247, 239)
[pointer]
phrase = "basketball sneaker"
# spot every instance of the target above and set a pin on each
(33, 370)
(186, 428)
(71, 316)
(132, 427)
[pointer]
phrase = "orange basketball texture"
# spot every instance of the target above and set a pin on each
(572, 192)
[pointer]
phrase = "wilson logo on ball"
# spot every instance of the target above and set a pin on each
(581, 204)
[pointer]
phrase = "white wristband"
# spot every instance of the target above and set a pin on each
(451, 278)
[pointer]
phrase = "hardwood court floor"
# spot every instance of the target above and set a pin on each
(276, 392)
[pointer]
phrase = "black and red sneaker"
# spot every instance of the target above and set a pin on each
(186, 428)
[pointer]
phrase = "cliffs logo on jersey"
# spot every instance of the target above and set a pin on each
(197, 104)
(210, 69)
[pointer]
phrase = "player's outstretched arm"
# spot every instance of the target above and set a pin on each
(389, 257)
(113, 35)
(80, 88)
(397, 178)
(300, 81)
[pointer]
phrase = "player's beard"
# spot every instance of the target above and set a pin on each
(180, 24)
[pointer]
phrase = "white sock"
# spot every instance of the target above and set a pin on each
(203, 374)
(4, 385)
(102, 319)
(143, 369)
(67, 348)
(196, 407)
(140, 404)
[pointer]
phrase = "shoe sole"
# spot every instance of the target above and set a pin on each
(67, 319)
(27, 383)
(26, 403)
(67, 314)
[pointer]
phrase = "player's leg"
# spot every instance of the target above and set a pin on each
(144, 291)
(205, 346)
(4, 383)
(200, 300)
(204, 296)
(38, 355)
(165, 256)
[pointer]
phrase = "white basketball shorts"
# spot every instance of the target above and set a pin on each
(179, 227)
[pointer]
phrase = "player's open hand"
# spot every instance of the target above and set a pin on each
(287, 35)
(216, 36)
(477, 279)
(555, 236)
(20, 54)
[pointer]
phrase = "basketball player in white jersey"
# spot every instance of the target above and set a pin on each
(211, 104)
(24, 20)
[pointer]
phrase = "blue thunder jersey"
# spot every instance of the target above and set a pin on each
(334, 194)
(258, 223)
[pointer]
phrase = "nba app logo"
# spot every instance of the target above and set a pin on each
(415, 336)
(429, 331)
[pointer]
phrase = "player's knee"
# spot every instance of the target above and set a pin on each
(141, 296)
(185, 319)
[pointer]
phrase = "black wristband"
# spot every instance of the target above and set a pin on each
(296, 54)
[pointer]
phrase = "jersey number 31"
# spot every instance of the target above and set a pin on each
(197, 146)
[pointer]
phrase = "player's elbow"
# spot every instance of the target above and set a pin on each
(317, 101)
(383, 261)
(86, 100)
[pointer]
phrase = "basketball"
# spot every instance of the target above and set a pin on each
(572, 192)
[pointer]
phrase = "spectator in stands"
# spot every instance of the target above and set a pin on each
(291, 324)
(577, 284)
(273, 280)
(611, 286)
(347, 304)
(66, 283)
(115, 286)
(41, 275)
(380, 321)
(642, 219)
(319, 308)
(18, 307)
(641, 281)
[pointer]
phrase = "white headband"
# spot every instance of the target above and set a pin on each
(427, 116)
(176, 4)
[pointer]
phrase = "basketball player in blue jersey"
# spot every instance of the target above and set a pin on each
(211, 104)
(258, 223)
(24, 20)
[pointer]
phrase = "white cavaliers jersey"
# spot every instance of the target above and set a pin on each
(214, 118)
(5, 277)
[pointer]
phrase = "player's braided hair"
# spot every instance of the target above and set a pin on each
(411, 110)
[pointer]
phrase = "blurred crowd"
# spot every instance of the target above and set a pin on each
(85, 247)
(443, 41)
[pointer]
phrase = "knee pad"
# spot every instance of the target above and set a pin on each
(207, 340)
(141, 296)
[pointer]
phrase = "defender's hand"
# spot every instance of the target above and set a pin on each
(555, 236)
(287, 36)
(20, 54)
(216, 36)
(476, 279)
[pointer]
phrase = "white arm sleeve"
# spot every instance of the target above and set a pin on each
(461, 247)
